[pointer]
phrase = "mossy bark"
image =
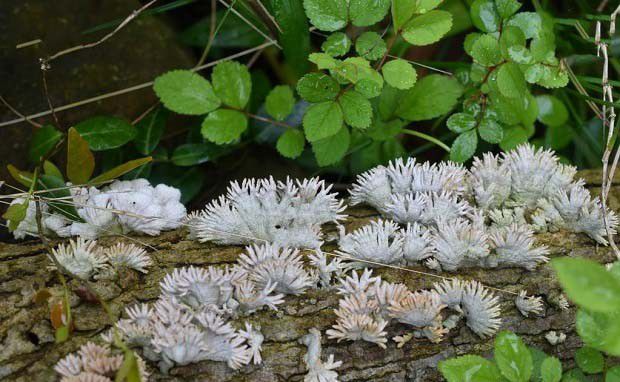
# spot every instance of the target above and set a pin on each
(28, 351)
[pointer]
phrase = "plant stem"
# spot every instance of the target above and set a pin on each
(427, 138)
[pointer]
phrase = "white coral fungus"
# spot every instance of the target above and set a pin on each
(288, 213)
(318, 370)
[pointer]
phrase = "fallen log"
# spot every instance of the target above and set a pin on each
(28, 352)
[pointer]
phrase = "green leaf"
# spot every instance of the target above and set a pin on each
(224, 126)
(428, 28)
(461, 122)
(355, 69)
(588, 284)
(186, 92)
(399, 74)
(323, 60)
(464, 146)
(104, 133)
(552, 77)
(58, 190)
(510, 81)
(129, 370)
(512, 45)
(331, 150)
(22, 177)
(50, 169)
(295, 35)
(356, 108)
(485, 51)
(469, 368)
(43, 140)
(150, 130)
(80, 160)
(507, 8)
(327, 15)
(512, 357)
(551, 370)
(280, 102)
(599, 330)
(364, 13)
(337, 44)
(322, 120)
(62, 334)
(291, 143)
(120, 170)
(490, 130)
(589, 360)
(232, 83)
(513, 137)
(538, 357)
(191, 154)
(402, 11)
(317, 87)
(529, 22)
(15, 214)
(431, 97)
(370, 45)
(484, 16)
(575, 375)
(551, 111)
(383, 131)
(613, 374)
(423, 6)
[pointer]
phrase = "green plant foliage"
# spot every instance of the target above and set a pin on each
(186, 92)
(399, 74)
(332, 149)
(280, 102)
(224, 126)
(191, 154)
(427, 28)
(512, 357)
(364, 13)
(551, 370)
(291, 143)
(317, 87)
(80, 160)
(327, 15)
(295, 33)
(469, 368)
(337, 44)
(149, 131)
(323, 120)
(589, 360)
(105, 133)
(370, 46)
(356, 108)
(232, 83)
(431, 97)
(43, 140)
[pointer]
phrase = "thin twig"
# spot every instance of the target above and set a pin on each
(44, 69)
(129, 89)
(76, 48)
(17, 113)
(233, 10)
(266, 11)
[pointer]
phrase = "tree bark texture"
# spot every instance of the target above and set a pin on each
(28, 352)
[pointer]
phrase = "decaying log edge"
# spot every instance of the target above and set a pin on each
(28, 352)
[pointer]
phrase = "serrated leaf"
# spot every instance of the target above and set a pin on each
(402, 11)
(150, 130)
(464, 146)
(232, 83)
(322, 120)
(551, 370)
(513, 137)
(552, 77)
(428, 28)
(399, 74)
(291, 143)
(331, 150)
(337, 44)
(80, 160)
(599, 330)
(280, 102)
(317, 87)
(469, 368)
(186, 92)
(431, 97)
(484, 16)
(356, 109)
(590, 360)
(512, 45)
(529, 22)
(507, 8)
(461, 122)
(588, 284)
(191, 154)
(370, 46)
(551, 111)
(364, 13)
(380, 130)
(323, 60)
(510, 81)
(485, 51)
(105, 132)
(327, 15)
(354, 69)
(490, 130)
(43, 140)
(512, 357)
(224, 126)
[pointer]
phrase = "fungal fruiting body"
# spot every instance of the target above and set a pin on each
(288, 213)
(130, 206)
(318, 370)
